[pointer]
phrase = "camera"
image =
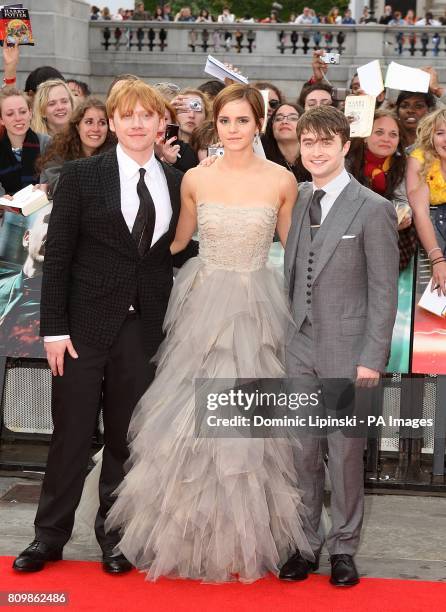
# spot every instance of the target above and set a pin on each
(330, 58)
(218, 151)
(195, 105)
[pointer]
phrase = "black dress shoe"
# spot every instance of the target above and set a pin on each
(33, 558)
(117, 564)
(343, 570)
(298, 568)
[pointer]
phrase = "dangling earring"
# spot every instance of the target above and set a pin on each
(256, 139)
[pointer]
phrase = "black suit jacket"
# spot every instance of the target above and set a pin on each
(92, 271)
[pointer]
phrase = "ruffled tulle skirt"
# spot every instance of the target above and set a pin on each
(213, 509)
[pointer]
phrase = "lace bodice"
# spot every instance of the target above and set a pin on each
(235, 237)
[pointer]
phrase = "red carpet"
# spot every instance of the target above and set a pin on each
(88, 588)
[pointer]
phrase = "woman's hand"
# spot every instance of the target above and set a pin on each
(167, 151)
(439, 277)
(180, 104)
(42, 186)
(319, 66)
(208, 161)
(11, 57)
(228, 80)
(405, 223)
(434, 85)
(8, 208)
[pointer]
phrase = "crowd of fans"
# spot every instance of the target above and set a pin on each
(55, 120)
(307, 17)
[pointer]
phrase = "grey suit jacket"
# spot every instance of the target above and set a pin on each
(354, 285)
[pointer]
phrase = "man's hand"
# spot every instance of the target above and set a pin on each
(365, 377)
(55, 354)
(319, 67)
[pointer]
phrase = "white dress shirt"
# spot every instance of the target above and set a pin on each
(156, 182)
(332, 191)
(157, 185)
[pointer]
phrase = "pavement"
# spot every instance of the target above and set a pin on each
(404, 536)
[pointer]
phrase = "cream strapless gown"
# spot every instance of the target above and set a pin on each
(213, 509)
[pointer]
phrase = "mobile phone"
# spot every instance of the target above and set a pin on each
(218, 151)
(330, 58)
(172, 130)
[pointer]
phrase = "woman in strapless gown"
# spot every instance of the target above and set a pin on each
(217, 509)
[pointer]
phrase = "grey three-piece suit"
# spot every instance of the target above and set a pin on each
(343, 287)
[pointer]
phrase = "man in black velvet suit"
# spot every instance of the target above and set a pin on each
(106, 283)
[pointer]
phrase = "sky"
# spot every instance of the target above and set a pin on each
(114, 5)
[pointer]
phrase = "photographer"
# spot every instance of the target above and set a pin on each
(175, 151)
(318, 85)
(192, 108)
(319, 94)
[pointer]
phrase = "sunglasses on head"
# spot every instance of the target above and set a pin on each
(273, 104)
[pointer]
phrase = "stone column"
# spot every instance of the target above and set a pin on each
(60, 29)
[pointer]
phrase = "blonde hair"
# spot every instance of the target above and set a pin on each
(125, 97)
(425, 139)
(39, 122)
(9, 92)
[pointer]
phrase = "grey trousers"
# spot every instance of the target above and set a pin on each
(345, 466)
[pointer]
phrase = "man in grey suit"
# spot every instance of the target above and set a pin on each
(341, 265)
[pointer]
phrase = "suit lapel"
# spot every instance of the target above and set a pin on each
(340, 217)
(111, 188)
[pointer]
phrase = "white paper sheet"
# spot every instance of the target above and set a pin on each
(370, 78)
(433, 302)
(406, 78)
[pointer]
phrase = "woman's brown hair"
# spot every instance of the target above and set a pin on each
(355, 159)
(241, 92)
(67, 145)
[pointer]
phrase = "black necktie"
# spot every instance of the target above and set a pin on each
(316, 211)
(143, 228)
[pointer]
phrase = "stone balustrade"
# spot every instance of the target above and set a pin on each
(96, 51)
(276, 52)
(267, 39)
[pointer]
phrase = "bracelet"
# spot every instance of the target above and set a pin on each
(439, 261)
(438, 258)
(432, 250)
(10, 81)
